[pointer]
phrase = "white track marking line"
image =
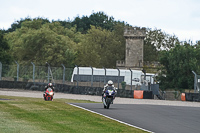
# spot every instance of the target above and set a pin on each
(110, 118)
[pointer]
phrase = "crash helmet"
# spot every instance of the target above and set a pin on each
(110, 83)
(50, 85)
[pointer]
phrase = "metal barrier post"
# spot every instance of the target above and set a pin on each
(195, 81)
(48, 71)
(0, 70)
(144, 71)
(131, 78)
(92, 77)
(63, 73)
(105, 76)
(118, 77)
(33, 72)
(77, 76)
(17, 70)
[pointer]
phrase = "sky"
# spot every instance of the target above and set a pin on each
(174, 17)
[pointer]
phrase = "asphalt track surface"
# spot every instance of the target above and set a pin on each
(159, 116)
(154, 118)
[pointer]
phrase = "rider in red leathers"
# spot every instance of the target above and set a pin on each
(50, 85)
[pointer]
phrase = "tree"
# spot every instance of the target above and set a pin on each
(82, 24)
(178, 64)
(156, 41)
(65, 24)
(18, 24)
(4, 50)
(39, 43)
(100, 48)
(99, 19)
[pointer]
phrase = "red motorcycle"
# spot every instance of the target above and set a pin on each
(48, 94)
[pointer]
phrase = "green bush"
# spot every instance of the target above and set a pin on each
(123, 84)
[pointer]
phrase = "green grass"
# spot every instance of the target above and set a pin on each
(34, 115)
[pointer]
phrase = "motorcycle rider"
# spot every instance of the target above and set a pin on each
(110, 83)
(50, 85)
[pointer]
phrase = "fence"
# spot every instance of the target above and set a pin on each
(196, 82)
(36, 77)
(34, 73)
(62, 75)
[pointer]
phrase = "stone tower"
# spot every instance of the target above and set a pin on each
(134, 48)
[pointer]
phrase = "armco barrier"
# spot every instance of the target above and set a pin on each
(84, 90)
(13, 84)
(148, 95)
(191, 97)
(142, 94)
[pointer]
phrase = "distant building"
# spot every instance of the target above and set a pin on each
(134, 48)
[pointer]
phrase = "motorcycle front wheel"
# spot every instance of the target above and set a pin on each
(108, 101)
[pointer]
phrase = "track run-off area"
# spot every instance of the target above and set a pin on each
(159, 116)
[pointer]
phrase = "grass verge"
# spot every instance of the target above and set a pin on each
(34, 115)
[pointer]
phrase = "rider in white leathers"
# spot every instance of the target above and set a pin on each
(110, 83)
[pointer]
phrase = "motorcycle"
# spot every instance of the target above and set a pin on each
(108, 97)
(48, 96)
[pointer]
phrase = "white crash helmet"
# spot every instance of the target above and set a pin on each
(110, 83)
(50, 85)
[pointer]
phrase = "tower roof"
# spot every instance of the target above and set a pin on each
(135, 32)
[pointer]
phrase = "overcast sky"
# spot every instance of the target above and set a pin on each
(179, 17)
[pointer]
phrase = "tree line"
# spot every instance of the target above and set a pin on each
(96, 40)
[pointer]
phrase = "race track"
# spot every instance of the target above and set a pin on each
(154, 118)
(159, 116)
